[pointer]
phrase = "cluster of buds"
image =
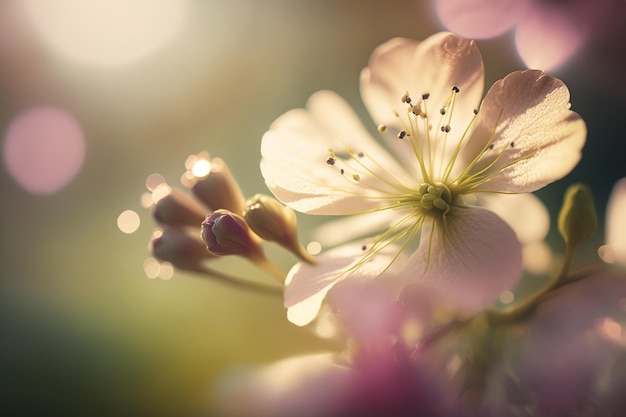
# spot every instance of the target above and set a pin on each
(228, 223)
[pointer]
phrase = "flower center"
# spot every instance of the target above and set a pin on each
(435, 196)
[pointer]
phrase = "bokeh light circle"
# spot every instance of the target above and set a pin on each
(44, 149)
(128, 221)
(109, 33)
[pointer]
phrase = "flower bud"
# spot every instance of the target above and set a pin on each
(178, 209)
(274, 222)
(182, 249)
(270, 219)
(219, 190)
(577, 218)
(226, 233)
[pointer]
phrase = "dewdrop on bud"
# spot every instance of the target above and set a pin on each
(178, 209)
(274, 222)
(219, 190)
(226, 233)
(577, 218)
(181, 249)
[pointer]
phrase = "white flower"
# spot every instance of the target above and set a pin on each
(425, 98)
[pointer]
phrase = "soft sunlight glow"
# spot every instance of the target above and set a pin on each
(146, 200)
(616, 223)
(201, 168)
(325, 327)
(507, 297)
(128, 221)
(607, 254)
(314, 248)
(537, 257)
(151, 267)
(108, 33)
(166, 271)
(44, 149)
(159, 192)
(611, 330)
(153, 181)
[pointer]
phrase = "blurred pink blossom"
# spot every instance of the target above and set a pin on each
(547, 33)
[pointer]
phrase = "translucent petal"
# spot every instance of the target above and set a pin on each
(525, 213)
(295, 159)
(306, 285)
(433, 66)
(536, 138)
(346, 229)
(480, 19)
(470, 260)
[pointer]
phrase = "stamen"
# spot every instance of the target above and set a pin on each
(330, 161)
(455, 89)
(425, 96)
(402, 134)
(442, 111)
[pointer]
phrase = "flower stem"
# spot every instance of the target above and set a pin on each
(302, 253)
(267, 265)
(237, 281)
(527, 307)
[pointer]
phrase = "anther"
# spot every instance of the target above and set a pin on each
(425, 96)
(417, 109)
(342, 171)
(512, 144)
(382, 128)
(406, 98)
(475, 111)
(455, 89)
(360, 154)
(330, 161)
(490, 147)
(356, 177)
(446, 128)
(442, 111)
(363, 247)
(402, 134)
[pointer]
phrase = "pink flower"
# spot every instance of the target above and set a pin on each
(547, 34)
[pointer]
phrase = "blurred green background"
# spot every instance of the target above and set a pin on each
(83, 331)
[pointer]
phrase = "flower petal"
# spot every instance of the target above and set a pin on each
(295, 152)
(525, 213)
(346, 229)
(470, 260)
(433, 66)
(306, 285)
(479, 19)
(535, 137)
